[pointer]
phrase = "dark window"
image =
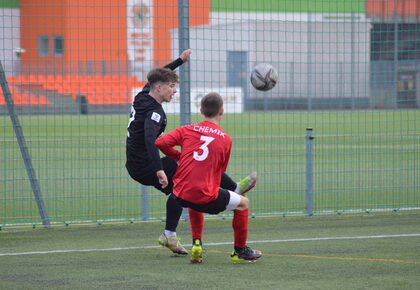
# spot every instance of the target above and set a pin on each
(409, 42)
(383, 42)
(43, 47)
(58, 46)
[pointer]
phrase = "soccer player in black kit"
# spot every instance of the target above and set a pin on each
(147, 122)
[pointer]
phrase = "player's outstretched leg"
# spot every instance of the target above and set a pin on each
(168, 238)
(247, 183)
(245, 255)
(172, 243)
(197, 252)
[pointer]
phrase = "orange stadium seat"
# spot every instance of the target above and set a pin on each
(12, 79)
(25, 98)
(2, 99)
(98, 89)
(43, 100)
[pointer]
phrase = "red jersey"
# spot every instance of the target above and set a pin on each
(204, 157)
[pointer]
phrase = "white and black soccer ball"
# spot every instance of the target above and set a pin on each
(264, 77)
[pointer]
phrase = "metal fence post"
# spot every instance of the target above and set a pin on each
(144, 203)
(184, 71)
(309, 172)
(24, 149)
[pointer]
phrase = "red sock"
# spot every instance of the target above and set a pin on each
(197, 223)
(240, 228)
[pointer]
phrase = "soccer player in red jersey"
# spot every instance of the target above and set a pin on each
(204, 157)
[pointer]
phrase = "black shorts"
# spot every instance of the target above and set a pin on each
(146, 177)
(214, 207)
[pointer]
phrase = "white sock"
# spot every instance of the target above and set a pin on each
(237, 189)
(169, 233)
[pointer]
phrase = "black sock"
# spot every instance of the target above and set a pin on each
(238, 250)
(194, 239)
(228, 183)
(173, 214)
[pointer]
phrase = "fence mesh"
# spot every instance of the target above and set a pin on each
(347, 69)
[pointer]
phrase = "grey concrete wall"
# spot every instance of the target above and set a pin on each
(314, 58)
(9, 39)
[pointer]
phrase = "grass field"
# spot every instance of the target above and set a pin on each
(269, 5)
(363, 161)
(9, 3)
(367, 251)
(326, 6)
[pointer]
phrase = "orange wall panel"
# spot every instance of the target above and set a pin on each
(386, 9)
(95, 32)
(43, 19)
(165, 18)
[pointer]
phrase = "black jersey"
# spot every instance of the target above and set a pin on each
(147, 122)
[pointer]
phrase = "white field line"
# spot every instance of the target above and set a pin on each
(211, 244)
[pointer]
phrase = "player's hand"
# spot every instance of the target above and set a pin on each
(163, 179)
(185, 55)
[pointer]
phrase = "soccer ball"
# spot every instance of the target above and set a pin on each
(264, 77)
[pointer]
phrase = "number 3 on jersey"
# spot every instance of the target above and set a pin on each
(207, 140)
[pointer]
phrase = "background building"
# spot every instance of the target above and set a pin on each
(322, 59)
(325, 59)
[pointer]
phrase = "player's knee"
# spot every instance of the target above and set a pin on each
(244, 204)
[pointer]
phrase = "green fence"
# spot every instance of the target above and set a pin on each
(345, 70)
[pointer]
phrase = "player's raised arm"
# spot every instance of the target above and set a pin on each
(184, 57)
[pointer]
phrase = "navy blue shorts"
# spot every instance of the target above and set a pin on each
(214, 207)
(146, 177)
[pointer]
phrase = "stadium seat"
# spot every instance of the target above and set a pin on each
(12, 79)
(24, 98)
(43, 100)
(98, 89)
(2, 100)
